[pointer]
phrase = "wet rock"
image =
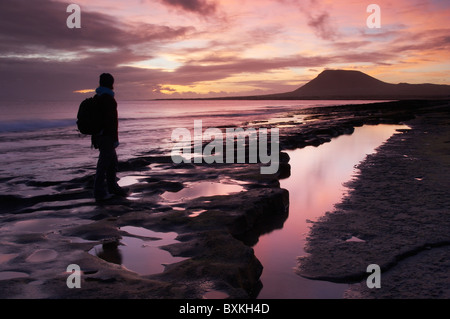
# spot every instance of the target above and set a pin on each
(42, 255)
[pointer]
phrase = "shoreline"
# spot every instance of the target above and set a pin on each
(398, 209)
(213, 242)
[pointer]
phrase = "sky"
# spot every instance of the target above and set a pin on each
(210, 48)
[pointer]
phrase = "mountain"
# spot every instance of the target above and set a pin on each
(353, 85)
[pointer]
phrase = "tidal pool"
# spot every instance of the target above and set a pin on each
(142, 254)
(203, 189)
(315, 186)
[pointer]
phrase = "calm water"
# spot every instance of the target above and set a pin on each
(39, 141)
(315, 186)
(141, 255)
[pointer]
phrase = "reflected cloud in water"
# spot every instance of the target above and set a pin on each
(315, 186)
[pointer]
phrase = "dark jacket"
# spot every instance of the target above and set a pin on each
(108, 117)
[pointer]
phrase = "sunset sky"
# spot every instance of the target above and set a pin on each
(199, 48)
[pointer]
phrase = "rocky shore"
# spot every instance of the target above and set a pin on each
(398, 210)
(215, 243)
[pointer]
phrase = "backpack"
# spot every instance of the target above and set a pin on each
(88, 117)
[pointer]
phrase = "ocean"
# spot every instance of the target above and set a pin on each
(39, 141)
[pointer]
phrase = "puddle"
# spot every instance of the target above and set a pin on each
(5, 275)
(130, 180)
(42, 255)
(203, 189)
(315, 186)
(134, 196)
(196, 213)
(157, 167)
(143, 256)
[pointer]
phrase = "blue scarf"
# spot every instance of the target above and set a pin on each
(104, 90)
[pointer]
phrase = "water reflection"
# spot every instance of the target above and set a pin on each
(142, 254)
(110, 252)
(315, 186)
(204, 189)
(265, 224)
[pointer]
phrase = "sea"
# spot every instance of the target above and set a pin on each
(39, 141)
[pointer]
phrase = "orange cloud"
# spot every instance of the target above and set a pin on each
(84, 91)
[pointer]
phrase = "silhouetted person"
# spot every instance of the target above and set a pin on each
(107, 141)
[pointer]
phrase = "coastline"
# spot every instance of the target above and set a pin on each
(398, 210)
(213, 242)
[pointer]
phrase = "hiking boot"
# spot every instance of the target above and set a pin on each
(120, 191)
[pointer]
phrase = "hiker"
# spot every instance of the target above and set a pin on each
(106, 142)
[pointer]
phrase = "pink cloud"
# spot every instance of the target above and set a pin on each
(257, 39)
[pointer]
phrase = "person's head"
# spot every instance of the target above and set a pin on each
(107, 80)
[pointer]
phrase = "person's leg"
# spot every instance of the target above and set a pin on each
(106, 159)
(111, 177)
(111, 172)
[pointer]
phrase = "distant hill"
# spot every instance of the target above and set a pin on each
(353, 85)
